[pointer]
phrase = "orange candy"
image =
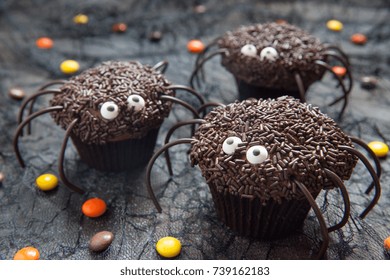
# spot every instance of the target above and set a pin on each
(386, 244)
(195, 46)
(94, 207)
(44, 43)
(27, 253)
(119, 27)
(339, 70)
(359, 39)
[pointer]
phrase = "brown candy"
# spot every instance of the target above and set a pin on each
(200, 9)
(368, 82)
(101, 241)
(155, 36)
(16, 93)
(119, 27)
(1, 177)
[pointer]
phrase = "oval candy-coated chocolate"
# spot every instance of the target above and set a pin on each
(168, 247)
(16, 93)
(334, 25)
(46, 182)
(27, 253)
(368, 82)
(101, 241)
(44, 43)
(195, 46)
(69, 66)
(94, 207)
(379, 148)
(1, 177)
(80, 19)
(386, 244)
(358, 39)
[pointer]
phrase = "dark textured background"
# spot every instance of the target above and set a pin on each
(53, 222)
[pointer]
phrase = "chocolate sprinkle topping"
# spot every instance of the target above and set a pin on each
(300, 140)
(83, 95)
(297, 51)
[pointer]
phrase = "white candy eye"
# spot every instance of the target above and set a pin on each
(136, 101)
(249, 50)
(256, 154)
(269, 53)
(230, 144)
(109, 110)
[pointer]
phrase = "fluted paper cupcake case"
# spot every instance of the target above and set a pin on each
(249, 217)
(118, 156)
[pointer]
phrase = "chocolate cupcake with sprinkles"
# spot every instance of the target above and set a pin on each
(265, 162)
(269, 60)
(112, 113)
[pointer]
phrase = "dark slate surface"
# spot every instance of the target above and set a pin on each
(53, 222)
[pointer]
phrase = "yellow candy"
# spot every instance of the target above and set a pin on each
(168, 247)
(46, 182)
(80, 19)
(69, 66)
(379, 148)
(334, 25)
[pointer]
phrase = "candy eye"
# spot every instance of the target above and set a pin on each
(256, 154)
(249, 50)
(109, 110)
(230, 144)
(135, 101)
(269, 53)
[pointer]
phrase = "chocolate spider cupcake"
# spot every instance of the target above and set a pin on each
(255, 156)
(264, 59)
(119, 113)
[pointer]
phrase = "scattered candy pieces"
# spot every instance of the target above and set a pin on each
(334, 25)
(155, 36)
(168, 247)
(80, 19)
(119, 27)
(195, 46)
(339, 70)
(16, 93)
(200, 9)
(101, 241)
(46, 182)
(386, 244)
(69, 66)
(94, 207)
(379, 148)
(1, 177)
(368, 82)
(359, 39)
(44, 43)
(27, 253)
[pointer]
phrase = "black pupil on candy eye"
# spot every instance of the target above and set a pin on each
(111, 108)
(135, 99)
(256, 152)
(230, 141)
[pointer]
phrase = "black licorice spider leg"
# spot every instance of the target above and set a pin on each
(320, 218)
(376, 181)
(202, 61)
(33, 97)
(375, 158)
(150, 166)
(23, 124)
(345, 92)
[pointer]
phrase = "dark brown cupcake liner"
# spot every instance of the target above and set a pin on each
(118, 156)
(248, 217)
(246, 91)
